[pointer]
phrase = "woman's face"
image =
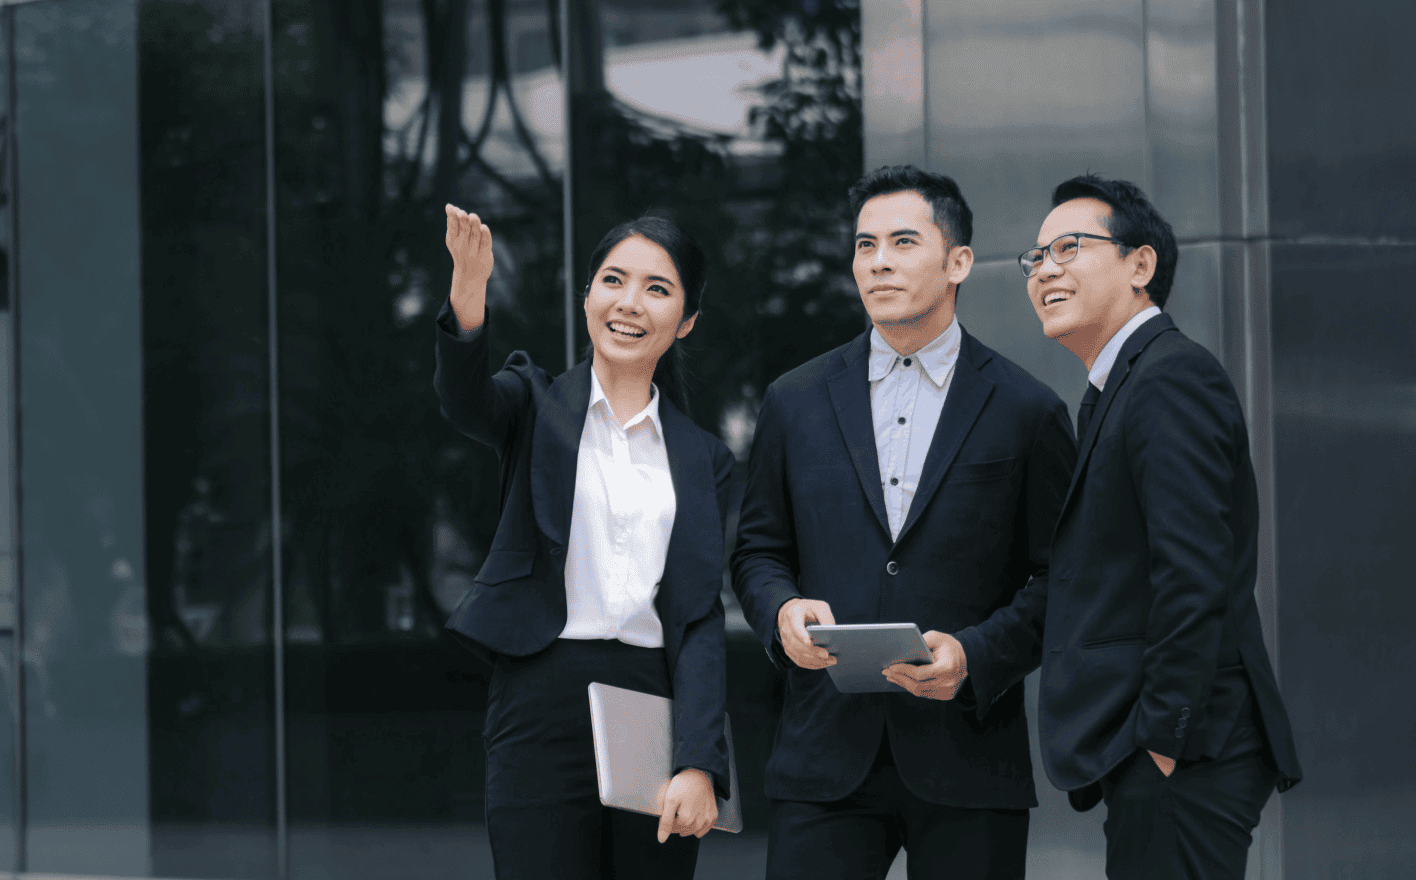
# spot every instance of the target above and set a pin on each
(634, 310)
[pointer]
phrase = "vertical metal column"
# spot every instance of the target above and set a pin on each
(7, 22)
(568, 219)
(282, 850)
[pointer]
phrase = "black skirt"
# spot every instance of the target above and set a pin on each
(540, 749)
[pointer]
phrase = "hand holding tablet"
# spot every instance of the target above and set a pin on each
(863, 650)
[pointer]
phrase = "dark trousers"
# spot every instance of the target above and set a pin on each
(544, 815)
(1196, 823)
(858, 837)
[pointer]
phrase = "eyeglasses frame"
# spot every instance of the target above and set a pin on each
(1048, 250)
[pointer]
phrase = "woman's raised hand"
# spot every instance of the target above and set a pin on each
(470, 243)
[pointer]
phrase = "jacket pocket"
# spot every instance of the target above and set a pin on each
(506, 565)
(971, 472)
(1115, 640)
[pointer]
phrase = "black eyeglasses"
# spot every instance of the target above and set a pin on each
(1063, 249)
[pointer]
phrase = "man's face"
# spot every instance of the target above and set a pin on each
(1083, 302)
(900, 262)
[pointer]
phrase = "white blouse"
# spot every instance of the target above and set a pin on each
(619, 525)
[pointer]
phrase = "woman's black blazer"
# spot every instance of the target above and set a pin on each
(517, 603)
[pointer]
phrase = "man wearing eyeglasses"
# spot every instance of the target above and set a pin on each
(1156, 691)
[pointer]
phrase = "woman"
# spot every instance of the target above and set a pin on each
(606, 563)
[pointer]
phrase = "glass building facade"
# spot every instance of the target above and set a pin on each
(233, 522)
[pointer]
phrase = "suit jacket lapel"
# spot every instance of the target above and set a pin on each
(849, 387)
(555, 449)
(968, 391)
(1124, 359)
(695, 540)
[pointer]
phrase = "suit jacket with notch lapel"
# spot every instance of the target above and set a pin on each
(1152, 636)
(517, 604)
(813, 524)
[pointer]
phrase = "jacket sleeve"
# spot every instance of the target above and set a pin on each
(1183, 427)
(764, 562)
(1006, 646)
(700, 675)
(480, 404)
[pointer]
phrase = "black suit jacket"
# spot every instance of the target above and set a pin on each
(517, 604)
(813, 524)
(1152, 637)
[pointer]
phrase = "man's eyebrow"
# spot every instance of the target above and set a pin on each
(860, 235)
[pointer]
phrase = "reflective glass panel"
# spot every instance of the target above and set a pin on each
(205, 333)
(385, 112)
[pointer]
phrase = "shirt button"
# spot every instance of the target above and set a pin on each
(908, 362)
(902, 420)
(894, 481)
(892, 567)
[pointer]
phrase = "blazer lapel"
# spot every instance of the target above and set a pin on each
(849, 387)
(555, 449)
(1124, 359)
(968, 391)
(695, 552)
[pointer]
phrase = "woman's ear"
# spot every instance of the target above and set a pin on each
(686, 326)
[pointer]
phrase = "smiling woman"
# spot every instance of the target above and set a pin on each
(600, 470)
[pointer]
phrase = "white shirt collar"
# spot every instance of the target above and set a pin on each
(937, 357)
(650, 412)
(1101, 367)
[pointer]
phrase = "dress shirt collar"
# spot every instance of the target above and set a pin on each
(1101, 367)
(937, 358)
(650, 412)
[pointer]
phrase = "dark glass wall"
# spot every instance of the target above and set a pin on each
(1343, 216)
(243, 521)
(385, 111)
(207, 487)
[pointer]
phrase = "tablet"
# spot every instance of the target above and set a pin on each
(633, 734)
(862, 650)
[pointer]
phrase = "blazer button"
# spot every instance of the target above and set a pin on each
(1185, 712)
(555, 551)
(1182, 722)
(892, 567)
(1179, 733)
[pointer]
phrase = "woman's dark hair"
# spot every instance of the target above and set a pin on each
(671, 373)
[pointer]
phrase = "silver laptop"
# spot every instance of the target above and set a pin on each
(634, 734)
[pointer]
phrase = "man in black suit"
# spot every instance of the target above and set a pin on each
(911, 475)
(1156, 691)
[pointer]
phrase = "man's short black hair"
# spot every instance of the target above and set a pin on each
(951, 212)
(1134, 220)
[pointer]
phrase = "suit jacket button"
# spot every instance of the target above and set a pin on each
(1179, 733)
(1185, 712)
(892, 567)
(555, 551)
(1182, 722)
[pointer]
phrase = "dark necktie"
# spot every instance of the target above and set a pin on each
(1084, 412)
